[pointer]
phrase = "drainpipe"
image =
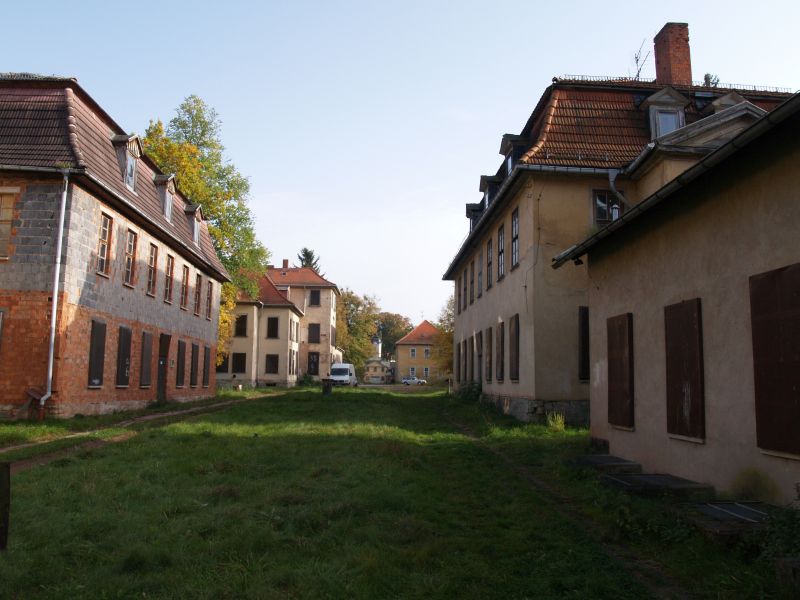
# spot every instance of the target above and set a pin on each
(54, 308)
(612, 177)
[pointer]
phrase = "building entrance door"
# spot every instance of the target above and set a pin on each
(163, 366)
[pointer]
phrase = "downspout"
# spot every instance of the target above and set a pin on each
(612, 178)
(54, 309)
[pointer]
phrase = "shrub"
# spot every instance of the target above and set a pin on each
(469, 391)
(556, 422)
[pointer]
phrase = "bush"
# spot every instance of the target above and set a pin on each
(469, 391)
(556, 422)
(306, 380)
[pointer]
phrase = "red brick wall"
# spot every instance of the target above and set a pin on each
(673, 61)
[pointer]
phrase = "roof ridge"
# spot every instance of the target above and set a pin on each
(72, 127)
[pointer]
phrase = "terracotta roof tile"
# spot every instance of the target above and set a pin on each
(424, 333)
(52, 122)
(269, 295)
(298, 276)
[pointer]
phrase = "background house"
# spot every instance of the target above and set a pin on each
(590, 151)
(137, 303)
(316, 297)
(416, 354)
(265, 347)
(695, 318)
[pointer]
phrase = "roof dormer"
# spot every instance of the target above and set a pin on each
(666, 111)
(195, 214)
(129, 151)
(512, 147)
(489, 185)
(165, 184)
(726, 101)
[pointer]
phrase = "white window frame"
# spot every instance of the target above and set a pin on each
(168, 202)
(130, 171)
(412, 371)
(413, 352)
(425, 371)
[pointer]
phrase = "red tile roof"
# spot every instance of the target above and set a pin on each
(600, 123)
(299, 277)
(269, 295)
(52, 123)
(424, 333)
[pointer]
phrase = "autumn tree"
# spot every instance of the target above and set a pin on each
(356, 323)
(393, 327)
(443, 342)
(307, 258)
(191, 148)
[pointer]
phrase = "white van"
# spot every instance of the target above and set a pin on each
(343, 374)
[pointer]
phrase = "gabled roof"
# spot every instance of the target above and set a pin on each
(424, 333)
(270, 296)
(788, 110)
(49, 123)
(299, 277)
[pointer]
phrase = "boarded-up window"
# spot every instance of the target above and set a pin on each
(488, 354)
(313, 333)
(224, 366)
(206, 365)
(124, 357)
(775, 316)
(500, 369)
(513, 348)
(457, 361)
(620, 370)
(198, 290)
(464, 368)
(239, 362)
(683, 335)
(583, 343)
(314, 298)
(272, 327)
(470, 359)
(146, 368)
(240, 330)
(193, 368)
(97, 353)
(272, 364)
(478, 355)
(180, 373)
(185, 287)
(313, 363)
(458, 295)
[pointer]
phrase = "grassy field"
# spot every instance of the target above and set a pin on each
(361, 494)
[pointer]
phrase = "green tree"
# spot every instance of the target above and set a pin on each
(356, 318)
(443, 342)
(191, 148)
(393, 327)
(308, 258)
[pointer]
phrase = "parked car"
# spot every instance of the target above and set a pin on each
(344, 374)
(413, 381)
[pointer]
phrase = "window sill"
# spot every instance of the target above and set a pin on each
(514, 267)
(94, 387)
(779, 454)
(208, 318)
(128, 285)
(514, 380)
(499, 279)
(121, 387)
(180, 387)
(686, 438)
(149, 294)
(205, 386)
(273, 337)
(621, 427)
(104, 275)
(168, 302)
(145, 387)
(197, 314)
(184, 308)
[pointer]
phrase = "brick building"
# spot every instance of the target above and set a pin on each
(591, 150)
(138, 279)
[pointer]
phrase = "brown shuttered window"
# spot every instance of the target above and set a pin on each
(457, 361)
(458, 295)
(185, 287)
(488, 354)
(472, 282)
(620, 370)
(146, 368)
(206, 365)
(97, 353)
(313, 363)
(209, 297)
(480, 273)
(272, 327)
(193, 368)
(464, 371)
(271, 367)
(775, 319)
(683, 335)
(479, 356)
(464, 290)
(198, 291)
(489, 264)
(313, 333)
(124, 357)
(314, 298)
(180, 371)
(500, 369)
(471, 358)
(583, 343)
(152, 270)
(513, 348)
(240, 330)
(239, 362)
(169, 278)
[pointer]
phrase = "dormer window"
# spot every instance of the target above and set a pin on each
(129, 150)
(166, 189)
(168, 197)
(666, 111)
(196, 231)
(130, 172)
(510, 162)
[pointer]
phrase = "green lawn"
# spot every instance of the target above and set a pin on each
(361, 494)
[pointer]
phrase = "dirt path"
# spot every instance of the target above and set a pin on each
(48, 457)
(647, 572)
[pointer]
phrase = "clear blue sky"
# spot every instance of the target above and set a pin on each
(364, 126)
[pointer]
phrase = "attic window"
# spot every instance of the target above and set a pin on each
(667, 121)
(666, 111)
(130, 171)
(510, 162)
(168, 197)
(196, 231)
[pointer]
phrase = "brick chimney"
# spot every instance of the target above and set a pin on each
(673, 63)
(285, 263)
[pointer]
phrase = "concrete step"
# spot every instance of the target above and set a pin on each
(658, 484)
(606, 463)
(728, 521)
